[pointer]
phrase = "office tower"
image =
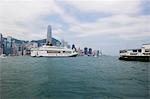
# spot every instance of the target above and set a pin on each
(74, 47)
(80, 52)
(1, 44)
(98, 52)
(49, 35)
(9, 45)
(90, 51)
(1, 40)
(64, 43)
(5, 46)
(14, 48)
(85, 51)
(20, 49)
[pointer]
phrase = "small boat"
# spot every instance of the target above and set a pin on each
(3, 56)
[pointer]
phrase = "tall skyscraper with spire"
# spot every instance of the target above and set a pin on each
(49, 35)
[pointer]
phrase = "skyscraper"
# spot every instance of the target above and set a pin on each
(85, 51)
(1, 44)
(14, 48)
(90, 51)
(9, 45)
(49, 35)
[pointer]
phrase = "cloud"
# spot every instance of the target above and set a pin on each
(111, 6)
(124, 22)
(22, 16)
(123, 26)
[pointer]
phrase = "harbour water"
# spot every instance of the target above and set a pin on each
(104, 77)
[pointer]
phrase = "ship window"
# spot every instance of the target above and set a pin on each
(133, 53)
(123, 51)
(147, 50)
(146, 53)
(66, 51)
(53, 51)
(134, 50)
(139, 50)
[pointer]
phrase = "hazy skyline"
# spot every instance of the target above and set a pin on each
(108, 25)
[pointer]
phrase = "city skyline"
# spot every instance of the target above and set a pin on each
(108, 25)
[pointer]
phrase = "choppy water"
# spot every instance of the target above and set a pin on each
(73, 78)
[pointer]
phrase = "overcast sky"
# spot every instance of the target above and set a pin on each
(108, 25)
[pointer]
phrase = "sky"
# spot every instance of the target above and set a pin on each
(107, 25)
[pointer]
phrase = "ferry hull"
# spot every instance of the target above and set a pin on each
(135, 58)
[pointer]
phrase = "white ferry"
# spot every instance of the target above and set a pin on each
(142, 54)
(52, 51)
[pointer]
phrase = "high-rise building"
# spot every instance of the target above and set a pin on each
(9, 45)
(1, 40)
(14, 48)
(74, 47)
(5, 46)
(85, 51)
(64, 43)
(1, 44)
(90, 51)
(49, 35)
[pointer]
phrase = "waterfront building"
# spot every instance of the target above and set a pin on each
(49, 35)
(74, 47)
(34, 45)
(19, 50)
(14, 48)
(90, 52)
(98, 53)
(64, 43)
(80, 52)
(68, 46)
(85, 51)
(9, 45)
(5, 46)
(1, 40)
(1, 44)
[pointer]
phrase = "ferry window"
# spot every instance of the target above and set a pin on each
(134, 50)
(66, 51)
(146, 53)
(139, 50)
(123, 51)
(147, 50)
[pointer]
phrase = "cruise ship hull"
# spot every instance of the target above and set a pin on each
(55, 56)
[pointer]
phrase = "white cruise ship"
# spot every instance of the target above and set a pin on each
(52, 51)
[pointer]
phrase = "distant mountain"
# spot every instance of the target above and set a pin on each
(40, 42)
(16, 40)
(19, 41)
